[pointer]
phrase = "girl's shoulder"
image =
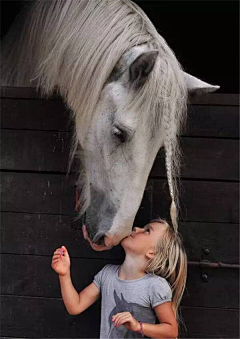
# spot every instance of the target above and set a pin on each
(159, 291)
(109, 268)
(157, 279)
(105, 272)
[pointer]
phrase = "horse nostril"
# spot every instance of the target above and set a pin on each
(100, 241)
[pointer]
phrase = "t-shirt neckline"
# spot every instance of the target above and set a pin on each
(128, 281)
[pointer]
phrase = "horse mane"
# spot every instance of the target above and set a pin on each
(72, 47)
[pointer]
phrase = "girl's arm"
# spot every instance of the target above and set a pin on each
(168, 327)
(77, 303)
(69, 294)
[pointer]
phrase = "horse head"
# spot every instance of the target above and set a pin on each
(121, 144)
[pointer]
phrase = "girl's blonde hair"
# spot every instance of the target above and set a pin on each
(170, 262)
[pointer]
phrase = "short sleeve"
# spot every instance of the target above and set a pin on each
(160, 292)
(99, 277)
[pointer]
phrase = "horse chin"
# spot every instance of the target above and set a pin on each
(105, 241)
(102, 244)
(100, 241)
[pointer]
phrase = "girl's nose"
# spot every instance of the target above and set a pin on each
(137, 229)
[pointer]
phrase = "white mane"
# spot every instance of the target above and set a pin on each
(73, 47)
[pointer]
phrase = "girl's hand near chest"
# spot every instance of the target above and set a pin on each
(61, 261)
(127, 320)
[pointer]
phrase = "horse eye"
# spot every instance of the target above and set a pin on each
(119, 134)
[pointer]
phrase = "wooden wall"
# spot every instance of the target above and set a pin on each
(38, 203)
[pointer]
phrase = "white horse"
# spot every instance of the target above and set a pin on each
(127, 93)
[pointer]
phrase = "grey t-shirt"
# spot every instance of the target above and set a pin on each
(138, 296)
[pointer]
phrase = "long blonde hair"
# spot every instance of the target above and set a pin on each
(170, 262)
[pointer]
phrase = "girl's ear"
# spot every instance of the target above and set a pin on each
(150, 254)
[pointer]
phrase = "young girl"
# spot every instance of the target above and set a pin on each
(146, 288)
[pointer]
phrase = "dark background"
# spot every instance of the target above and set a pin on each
(203, 34)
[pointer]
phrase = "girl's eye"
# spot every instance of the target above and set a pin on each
(147, 229)
(119, 134)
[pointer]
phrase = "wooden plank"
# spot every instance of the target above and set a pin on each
(41, 151)
(39, 234)
(35, 115)
(207, 121)
(212, 287)
(55, 194)
(51, 194)
(37, 193)
(200, 201)
(33, 317)
(212, 159)
(212, 121)
(32, 275)
(203, 158)
(32, 230)
(215, 99)
(201, 236)
(209, 323)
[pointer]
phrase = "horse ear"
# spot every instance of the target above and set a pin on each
(141, 67)
(197, 86)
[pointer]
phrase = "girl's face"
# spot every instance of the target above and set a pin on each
(144, 239)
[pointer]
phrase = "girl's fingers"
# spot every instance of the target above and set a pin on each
(59, 257)
(60, 250)
(54, 260)
(56, 256)
(121, 318)
(116, 321)
(54, 265)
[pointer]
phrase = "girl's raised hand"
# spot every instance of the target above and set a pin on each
(61, 261)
